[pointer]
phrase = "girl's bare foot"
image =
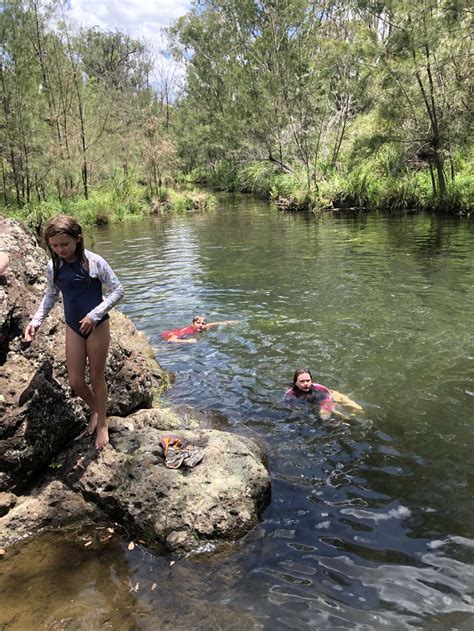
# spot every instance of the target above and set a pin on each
(102, 437)
(92, 424)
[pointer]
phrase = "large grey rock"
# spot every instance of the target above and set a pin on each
(35, 431)
(220, 498)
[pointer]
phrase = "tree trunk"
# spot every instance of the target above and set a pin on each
(15, 177)
(50, 92)
(84, 168)
(433, 181)
(340, 136)
(4, 181)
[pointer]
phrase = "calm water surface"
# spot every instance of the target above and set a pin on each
(370, 523)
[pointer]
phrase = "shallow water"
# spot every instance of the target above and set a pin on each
(370, 523)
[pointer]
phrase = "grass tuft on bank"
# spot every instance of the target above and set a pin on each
(113, 205)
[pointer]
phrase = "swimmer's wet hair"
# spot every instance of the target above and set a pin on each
(65, 224)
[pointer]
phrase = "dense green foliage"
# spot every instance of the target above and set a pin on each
(81, 128)
(356, 102)
(313, 104)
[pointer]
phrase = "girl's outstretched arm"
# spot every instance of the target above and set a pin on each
(344, 400)
(210, 324)
(4, 261)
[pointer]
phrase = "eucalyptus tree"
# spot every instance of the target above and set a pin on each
(115, 70)
(243, 64)
(71, 101)
(422, 79)
(271, 80)
(56, 87)
(36, 100)
(22, 125)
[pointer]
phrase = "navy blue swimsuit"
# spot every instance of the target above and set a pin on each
(81, 294)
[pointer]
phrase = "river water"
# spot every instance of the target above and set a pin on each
(370, 522)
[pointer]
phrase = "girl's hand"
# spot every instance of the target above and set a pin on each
(30, 333)
(87, 325)
(324, 415)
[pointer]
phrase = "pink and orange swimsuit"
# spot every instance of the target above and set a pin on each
(318, 394)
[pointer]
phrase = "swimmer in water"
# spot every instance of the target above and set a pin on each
(198, 325)
(304, 389)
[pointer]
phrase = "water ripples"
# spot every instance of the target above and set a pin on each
(368, 526)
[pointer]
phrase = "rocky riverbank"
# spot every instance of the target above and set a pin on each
(47, 479)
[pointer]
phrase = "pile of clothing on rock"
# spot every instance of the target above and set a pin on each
(177, 452)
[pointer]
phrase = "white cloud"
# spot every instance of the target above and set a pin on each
(135, 17)
(138, 18)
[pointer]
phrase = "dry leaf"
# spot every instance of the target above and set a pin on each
(153, 587)
(88, 543)
(2, 551)
(137, 587)
(110, 530)
(172, 563)
(131, 545)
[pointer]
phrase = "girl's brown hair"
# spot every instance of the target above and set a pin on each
(64, 224)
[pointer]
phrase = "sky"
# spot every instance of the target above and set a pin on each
(143, 19)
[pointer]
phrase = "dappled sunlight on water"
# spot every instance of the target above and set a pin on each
(370, 520)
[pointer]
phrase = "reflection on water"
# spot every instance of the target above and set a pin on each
(370, 523)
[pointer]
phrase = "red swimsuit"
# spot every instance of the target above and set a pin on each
(187, 330)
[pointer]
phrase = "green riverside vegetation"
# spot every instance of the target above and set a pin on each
(330, 103)
(313, 104)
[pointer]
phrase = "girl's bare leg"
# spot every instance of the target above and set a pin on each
(97, 346)
(76, 355)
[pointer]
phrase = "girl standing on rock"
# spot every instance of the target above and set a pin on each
(79, 275)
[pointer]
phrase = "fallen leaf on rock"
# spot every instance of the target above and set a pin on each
(172, 563)
(131, 545)
(153, 587)
(87, 543)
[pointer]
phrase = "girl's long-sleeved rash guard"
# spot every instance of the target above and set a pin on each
(100, 270)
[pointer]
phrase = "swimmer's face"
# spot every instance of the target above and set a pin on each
(199, 324)
(303, 382)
